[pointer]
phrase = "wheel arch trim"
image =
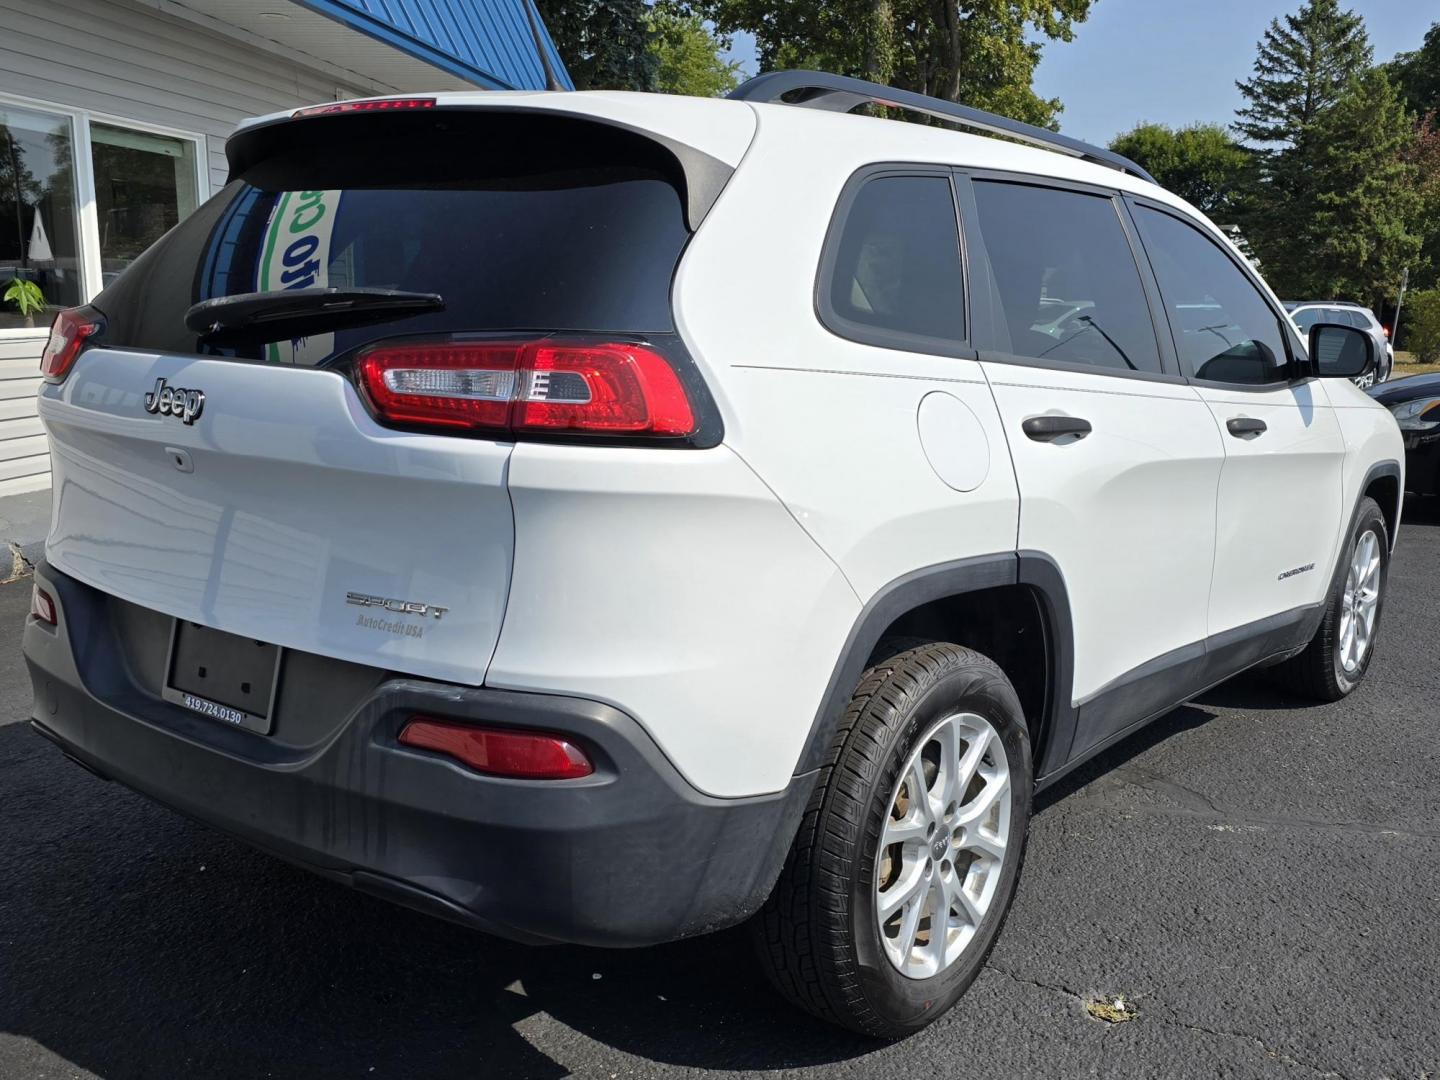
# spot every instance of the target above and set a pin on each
(943, 581)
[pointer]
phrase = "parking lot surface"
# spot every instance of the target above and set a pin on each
(1258, 878)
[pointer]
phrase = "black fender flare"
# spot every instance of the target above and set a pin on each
(941, 581)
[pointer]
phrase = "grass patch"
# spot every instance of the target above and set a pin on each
(1406, 364)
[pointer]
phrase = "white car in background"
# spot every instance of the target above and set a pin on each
(1306, 313)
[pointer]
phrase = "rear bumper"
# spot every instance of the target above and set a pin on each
(632, 855)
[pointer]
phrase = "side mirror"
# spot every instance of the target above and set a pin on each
(1340, 352)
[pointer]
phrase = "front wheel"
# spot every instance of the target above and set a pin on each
(1335, 661)
(908, 857)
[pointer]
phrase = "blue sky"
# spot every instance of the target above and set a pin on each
(1175, 61)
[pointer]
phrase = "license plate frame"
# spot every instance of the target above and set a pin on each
(206, 669)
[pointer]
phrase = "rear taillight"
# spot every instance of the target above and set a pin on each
(42, 606)
(520, 755)
(69, 335)
(551, 386)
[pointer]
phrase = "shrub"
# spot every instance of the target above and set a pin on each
(1421, 325)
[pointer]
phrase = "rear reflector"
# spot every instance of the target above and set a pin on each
(42, 606)
(522, 755)
(69, 334)
(372, 105)
(519, 387)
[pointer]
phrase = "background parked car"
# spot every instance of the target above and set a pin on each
(1306, 313)
(1415, 404)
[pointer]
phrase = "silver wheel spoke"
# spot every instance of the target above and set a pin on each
(902, 892)
(976, 809)
(910, 922)
(984, 842)
(1360, 603)
(910, 828)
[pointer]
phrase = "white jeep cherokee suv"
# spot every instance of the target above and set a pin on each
(607, 518)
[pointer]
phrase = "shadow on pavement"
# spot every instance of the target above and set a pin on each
(136, 942)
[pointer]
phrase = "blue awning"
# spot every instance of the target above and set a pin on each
(486, 42)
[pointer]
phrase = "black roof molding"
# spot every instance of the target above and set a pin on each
(839, 93)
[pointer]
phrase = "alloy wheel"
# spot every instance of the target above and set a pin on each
(1360, 603)
(943, 845)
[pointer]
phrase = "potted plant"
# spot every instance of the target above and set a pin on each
(26, 295)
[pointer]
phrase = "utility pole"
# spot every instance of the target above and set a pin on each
(1400, 301)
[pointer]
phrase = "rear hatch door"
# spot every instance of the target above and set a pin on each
(242, 482)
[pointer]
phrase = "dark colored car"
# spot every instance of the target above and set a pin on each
(1415, 403)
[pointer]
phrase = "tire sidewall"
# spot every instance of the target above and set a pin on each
(904, 1003)
(1370, 520)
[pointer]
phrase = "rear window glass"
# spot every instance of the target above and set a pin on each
(520, 223)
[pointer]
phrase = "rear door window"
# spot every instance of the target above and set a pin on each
(520, 223)
(1065, 278)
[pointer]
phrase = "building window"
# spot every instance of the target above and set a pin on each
(81, 196)
(38, 224)
(144, 184)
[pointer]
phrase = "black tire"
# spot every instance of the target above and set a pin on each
(817, 935)
(1318, 671)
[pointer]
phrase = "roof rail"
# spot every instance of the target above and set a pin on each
(839, 93)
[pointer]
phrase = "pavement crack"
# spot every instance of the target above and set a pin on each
(1170, 1021)
(1190, 803)
(1244, 1036)
(19, 564)
(1036, 983)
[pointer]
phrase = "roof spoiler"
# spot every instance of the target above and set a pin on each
(839, 93)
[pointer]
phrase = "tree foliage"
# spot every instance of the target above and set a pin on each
(1200, 163)
(1336, 210)
(1417, 74)
(1422, 324)
(981, 52)
(1302, 66)
(689, 56)
(606, 44)
(1365, 225)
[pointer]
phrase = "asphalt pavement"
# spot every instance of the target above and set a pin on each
(1257, 877)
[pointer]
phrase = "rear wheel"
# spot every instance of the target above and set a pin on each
(1335, 661)
(907, 860)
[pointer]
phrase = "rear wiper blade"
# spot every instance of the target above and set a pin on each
(271, 316)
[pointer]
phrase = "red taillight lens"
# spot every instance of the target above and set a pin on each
(373, 105)
(42, 606)
(551, 386)
(460, 386)
(72, 328)
(522, 755)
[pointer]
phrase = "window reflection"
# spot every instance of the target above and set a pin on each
(38, 231)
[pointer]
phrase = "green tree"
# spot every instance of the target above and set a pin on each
(689, 55)
(1301, 67)
(981, 52)
(1418, 74)
(606, 44)
(1200, 163)
(1362, 225)
(1422, 324)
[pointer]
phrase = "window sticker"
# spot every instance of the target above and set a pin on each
(296, 255)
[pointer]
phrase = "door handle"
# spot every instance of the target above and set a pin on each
(1050, 428)
(1240, 426)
